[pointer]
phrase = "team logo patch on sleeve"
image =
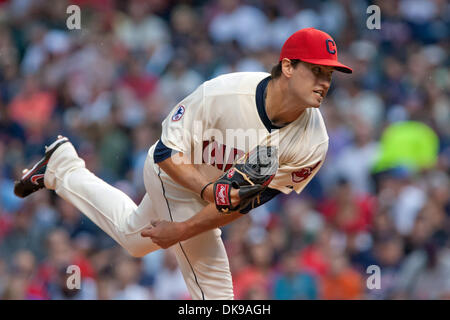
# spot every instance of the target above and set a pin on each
(178, 114)
(302, 174)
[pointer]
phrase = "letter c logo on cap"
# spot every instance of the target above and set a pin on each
(330, 48)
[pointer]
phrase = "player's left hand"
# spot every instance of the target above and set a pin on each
(246, 180)
(163, 233)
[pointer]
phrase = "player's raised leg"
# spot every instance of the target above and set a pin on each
(112, 210)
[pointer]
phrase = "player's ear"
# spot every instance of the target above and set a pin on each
(286, 67)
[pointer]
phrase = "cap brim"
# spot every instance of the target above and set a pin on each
(332, 63)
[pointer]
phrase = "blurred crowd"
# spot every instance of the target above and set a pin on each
(108, 86)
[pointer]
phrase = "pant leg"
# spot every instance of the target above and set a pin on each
(202, 259)
(109, 208)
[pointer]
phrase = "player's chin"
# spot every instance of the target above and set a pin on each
(315, 103)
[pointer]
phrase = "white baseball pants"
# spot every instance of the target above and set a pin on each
(202, 259)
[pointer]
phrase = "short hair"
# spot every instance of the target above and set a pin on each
(276, 69)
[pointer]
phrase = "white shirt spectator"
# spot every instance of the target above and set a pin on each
(307, 18)
(133, 292)
(88, 291)
(278, 31)
(169, 282)
(151, 32)
(170, 285)
(245, 24)
(355, 164)
(409, 202)
(179, 84)
(418, 11)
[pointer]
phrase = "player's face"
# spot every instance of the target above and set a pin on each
(309, 83)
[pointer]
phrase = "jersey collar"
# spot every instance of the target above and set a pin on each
(261, 104)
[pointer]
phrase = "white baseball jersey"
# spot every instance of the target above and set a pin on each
(212, 124)
(219, 122)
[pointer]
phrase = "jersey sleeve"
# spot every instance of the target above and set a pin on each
(295, 176)
(181, 129)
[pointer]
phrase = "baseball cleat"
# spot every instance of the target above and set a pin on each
(33, 179)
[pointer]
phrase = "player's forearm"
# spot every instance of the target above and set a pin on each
(206, 219)
(184, 173)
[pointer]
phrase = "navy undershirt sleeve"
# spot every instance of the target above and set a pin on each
(162, 152)
(264, 197)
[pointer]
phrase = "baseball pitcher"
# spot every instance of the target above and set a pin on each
(233, 144)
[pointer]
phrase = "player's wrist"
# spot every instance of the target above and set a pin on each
(207, 192)
(185, 230)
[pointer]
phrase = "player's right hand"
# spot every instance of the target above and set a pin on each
(164, 233)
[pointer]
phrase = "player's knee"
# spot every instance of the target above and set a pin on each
(136, 253)
(139, 250)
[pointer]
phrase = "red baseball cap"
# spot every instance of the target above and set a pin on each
(313, 46)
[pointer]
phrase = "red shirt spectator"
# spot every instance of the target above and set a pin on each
(32, 107)
(348, 211)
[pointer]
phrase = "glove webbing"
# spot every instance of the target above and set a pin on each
(244, 176)
(258, 198)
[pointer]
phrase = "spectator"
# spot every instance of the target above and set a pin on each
(179, 80)
(32, 107)
(139, 29)
(169, 283)
(347, 211)
(24, 267)
(259, 274)
(292, 284)
(127, 273)
(341, 282)
(389, 252)
(23, 234)
(424, 274)
(239, 22)
(59, 288)
(355, 162)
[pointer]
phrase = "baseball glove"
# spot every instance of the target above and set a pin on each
(251, 175)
